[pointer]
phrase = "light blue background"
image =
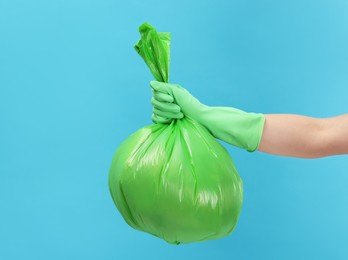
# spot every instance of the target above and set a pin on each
(72, 89)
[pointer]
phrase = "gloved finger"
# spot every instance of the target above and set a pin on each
(167, 114)
(162, 96)
(161, 120)
(165, 106)
(160, 87)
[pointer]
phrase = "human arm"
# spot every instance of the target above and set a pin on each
(281, 134)
(304, 137)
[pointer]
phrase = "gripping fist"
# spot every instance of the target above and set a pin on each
(171, 101)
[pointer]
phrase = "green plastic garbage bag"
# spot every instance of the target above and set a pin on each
(174, 181)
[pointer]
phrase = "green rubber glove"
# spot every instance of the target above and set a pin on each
(234, 126)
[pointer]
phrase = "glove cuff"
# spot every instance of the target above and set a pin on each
(233, 126)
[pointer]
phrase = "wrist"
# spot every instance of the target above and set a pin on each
(198, 113)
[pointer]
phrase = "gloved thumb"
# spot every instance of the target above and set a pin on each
(161, 87)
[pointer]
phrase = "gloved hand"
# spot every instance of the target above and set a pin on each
(234, 126)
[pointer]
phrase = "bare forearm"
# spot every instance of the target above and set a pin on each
(305, 137)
